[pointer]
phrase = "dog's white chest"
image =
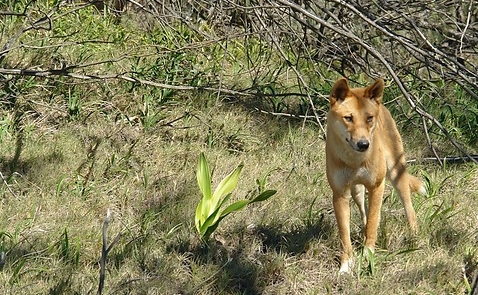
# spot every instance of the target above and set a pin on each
(348, 177)
(362, 175)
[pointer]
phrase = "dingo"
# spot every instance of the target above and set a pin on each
(363, 147)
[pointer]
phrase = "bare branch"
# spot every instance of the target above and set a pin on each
(418, 47)
(386, 64)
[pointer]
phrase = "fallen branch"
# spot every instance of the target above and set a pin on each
(304, 117)
(66, 73)
(447, 159)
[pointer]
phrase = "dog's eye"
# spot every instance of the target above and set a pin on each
(369, 119)
(348, 118)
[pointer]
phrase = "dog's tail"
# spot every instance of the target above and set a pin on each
(416, 185)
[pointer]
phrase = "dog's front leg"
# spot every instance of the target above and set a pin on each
(373, 218)
(342, 214)
(358, 194)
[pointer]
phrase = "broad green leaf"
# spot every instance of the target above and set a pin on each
(208, 211)
(209, 221)
(204, 181)
(264, 196)
(231, 208)
(205, 236)
(226, 186)
(204, 177)
(218, 206)
(234, 207)
(203, 220)
(198, 218)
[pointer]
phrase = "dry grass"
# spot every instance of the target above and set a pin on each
(68, 178)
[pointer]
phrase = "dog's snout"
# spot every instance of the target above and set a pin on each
(363, 145)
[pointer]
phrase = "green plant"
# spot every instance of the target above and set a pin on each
(67, 251)
(151, 114)
(17, 267)
(74, 104)
(437, 209)
(309, 221)
(261, 182)
(366, 263)
(208, 211)
(6, 127)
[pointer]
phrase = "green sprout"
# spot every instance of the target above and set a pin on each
(208, 211)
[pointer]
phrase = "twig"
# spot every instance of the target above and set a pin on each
(2, 259)
(474, 288)
(104, 253)
(447, 159)
(286, 114)
(455, 67)
(430, 145)
(7, 185)
(105, 249)
(36, 25)
(2, 12)
(466, 27)
(65, 73)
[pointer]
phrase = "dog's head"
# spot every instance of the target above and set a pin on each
(354, 112)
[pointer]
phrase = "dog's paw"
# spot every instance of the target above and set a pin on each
(346, 266)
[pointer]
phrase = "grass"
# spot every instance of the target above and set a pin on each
(52, 224)
(72, 150)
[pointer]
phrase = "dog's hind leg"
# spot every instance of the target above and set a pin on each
(401, 182)
(358, 194)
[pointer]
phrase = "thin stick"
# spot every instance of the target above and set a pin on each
(104, 252)
(286, 114)
(466, 27)
(447, 159)
(474, 288)
(66, 73)
(7, 185)
(430, 145)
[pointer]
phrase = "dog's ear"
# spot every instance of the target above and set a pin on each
(375, 91)
(339, 91)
